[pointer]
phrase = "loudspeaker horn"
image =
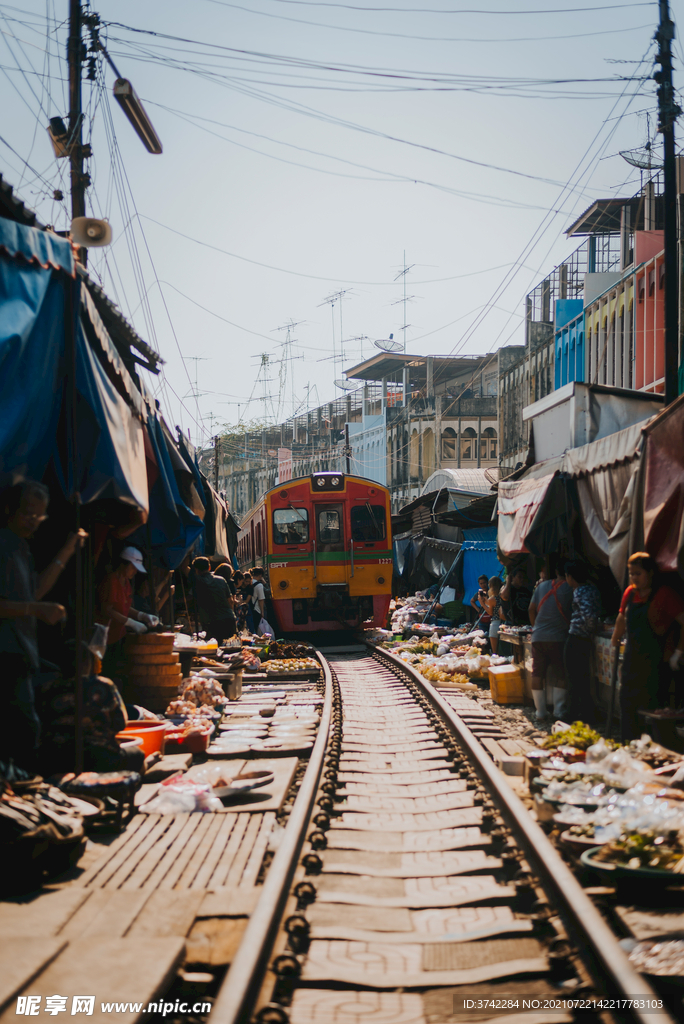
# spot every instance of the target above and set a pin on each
(91, 233)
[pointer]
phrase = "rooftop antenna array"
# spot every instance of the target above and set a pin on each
(265, 397)
(406, 298)
(330, 300)
(288, 358)
(194, 391)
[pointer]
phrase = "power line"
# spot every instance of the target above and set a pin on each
(316, 277)
(431, 39)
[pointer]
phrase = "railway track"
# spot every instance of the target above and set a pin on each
(412, 884)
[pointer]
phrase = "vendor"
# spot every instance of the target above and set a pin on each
(549, 613)
(647, 616)
(115, 599)
(23, 509)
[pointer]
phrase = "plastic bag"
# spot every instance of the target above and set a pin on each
(265, 629)
(182, 796)
(97, 644)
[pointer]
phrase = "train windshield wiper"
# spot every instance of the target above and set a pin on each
(378, 532)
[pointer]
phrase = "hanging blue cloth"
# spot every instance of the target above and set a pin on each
(172, 528)
(479, 559)
(32, 331)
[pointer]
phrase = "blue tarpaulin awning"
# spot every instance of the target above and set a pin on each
(41, 338)
(479, 558)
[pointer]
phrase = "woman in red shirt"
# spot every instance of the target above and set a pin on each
(647, 614)
(115, 597)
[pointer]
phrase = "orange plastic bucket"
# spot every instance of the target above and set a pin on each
(151, 733)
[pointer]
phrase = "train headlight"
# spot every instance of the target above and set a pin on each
(283, 584)
(381, 579)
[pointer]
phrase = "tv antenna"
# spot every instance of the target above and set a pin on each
(287, 357)
(194, 391)
(330, 300)
(361, 338)
(265, 397)
(402, 274)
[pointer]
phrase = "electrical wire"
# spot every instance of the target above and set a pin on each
(541, 229)
(316, 277)
(393, 176)
(412, 36)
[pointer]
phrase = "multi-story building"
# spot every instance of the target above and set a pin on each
(530, 371)
(615, 334)
(410, 416)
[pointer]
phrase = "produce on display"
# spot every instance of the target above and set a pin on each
(645, 849)
(292, 665)
(202, 690)
(579, 736)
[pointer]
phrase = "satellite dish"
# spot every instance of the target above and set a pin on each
(388, 345)
(345, 385)
(641, 158)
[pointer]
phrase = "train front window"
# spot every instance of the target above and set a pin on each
(330, 535)
(290, 526)
(367, 523)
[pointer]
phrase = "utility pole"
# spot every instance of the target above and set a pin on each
(217, 456)
(79, 180)
(668, 112)
(347, 448)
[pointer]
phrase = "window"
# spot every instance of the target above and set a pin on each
(329, 526)
(368, 522)
(449, 445)
(468, 445)
(489, 441)
(290, 526)
(257, 538)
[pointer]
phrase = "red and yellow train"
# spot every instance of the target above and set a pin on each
(326, 543)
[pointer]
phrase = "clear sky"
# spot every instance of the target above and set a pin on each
(317, 142)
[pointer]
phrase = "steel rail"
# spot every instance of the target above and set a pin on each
(596, 943)
(240, 988)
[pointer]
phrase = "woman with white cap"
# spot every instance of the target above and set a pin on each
(116, 610)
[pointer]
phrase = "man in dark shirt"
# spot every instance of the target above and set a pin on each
(516, 595)
(214, 602)
(23, 509)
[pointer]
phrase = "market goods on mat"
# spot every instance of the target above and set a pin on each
(578, 735)
(647, 849)
(180, 708)
(202, 690)
(288, 649)
(292, 665)
(436, 675)
(661, 956)
(250, 661)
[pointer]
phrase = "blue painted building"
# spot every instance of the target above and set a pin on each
(569, 342)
